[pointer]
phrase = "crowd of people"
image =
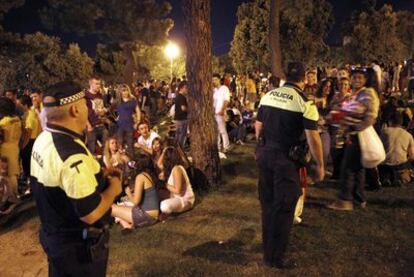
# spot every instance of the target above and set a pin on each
(309, 130)
(349, 100)
(120, 134)
(120, 118)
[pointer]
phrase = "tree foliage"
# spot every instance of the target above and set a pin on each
(374, 36)
(125, 23)
(150, 59)
(113, 21)
(38, 60)
(6, 5)
(405, 30)
(223, 64)
(249, 48)
(153, 59)
(304, 26)
(109, 62)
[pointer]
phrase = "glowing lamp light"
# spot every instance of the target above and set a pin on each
(172, 50)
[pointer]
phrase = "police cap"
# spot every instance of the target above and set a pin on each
(63, 93)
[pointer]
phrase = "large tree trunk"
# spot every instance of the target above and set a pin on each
(203, 129)
(274, 38)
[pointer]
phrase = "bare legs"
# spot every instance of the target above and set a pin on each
(124, 214)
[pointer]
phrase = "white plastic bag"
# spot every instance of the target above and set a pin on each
(171, 112)
(372, 149)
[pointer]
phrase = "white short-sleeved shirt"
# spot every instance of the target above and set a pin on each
(221, 94)
(237, 112)
(148, 142)
(397, 143)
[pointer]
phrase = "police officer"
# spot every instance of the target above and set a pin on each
(284, 115)
(72, 194)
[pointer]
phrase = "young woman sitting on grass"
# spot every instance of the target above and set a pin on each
(157, 147)
(180, 195)
(113, 156)
(143, 197)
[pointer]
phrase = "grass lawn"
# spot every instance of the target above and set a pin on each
(221, 236)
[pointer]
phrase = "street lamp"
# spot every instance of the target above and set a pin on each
(172, 51)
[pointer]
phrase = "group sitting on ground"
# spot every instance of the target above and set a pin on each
(157, 183)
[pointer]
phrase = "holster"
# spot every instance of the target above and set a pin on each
(97, 243)
(300, 154)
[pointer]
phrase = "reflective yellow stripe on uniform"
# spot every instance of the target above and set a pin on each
(287, 98)
(77, 180)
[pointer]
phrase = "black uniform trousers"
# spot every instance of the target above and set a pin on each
(68, 257)
(352, 173)
(279, 191)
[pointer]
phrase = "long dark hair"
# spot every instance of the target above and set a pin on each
(7, 107)
(319, 92)
(144, 164)
(160, 141)
(171, 158)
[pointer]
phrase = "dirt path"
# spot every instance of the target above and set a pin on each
(21, 253)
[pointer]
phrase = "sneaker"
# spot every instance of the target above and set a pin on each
(363, 205)
(222, 155)
(240, 142)
(328, 173)
(341, 205)
(297, 220)
(27, 191)
(228, 149)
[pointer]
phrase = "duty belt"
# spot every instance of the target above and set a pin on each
(84, 233)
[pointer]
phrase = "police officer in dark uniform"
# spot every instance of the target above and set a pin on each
(284, 115)
(72, 194)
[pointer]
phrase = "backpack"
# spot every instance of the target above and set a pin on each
(198, 180)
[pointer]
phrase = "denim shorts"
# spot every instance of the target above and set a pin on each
(140, 218)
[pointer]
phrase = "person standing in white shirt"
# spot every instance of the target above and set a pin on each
(221, 99)
(378, 72)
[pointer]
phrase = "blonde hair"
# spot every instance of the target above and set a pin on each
(107, 151)
(125, 86)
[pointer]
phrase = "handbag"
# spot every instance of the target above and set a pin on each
(372, 149)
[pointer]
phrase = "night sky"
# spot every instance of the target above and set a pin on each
(223, 20)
